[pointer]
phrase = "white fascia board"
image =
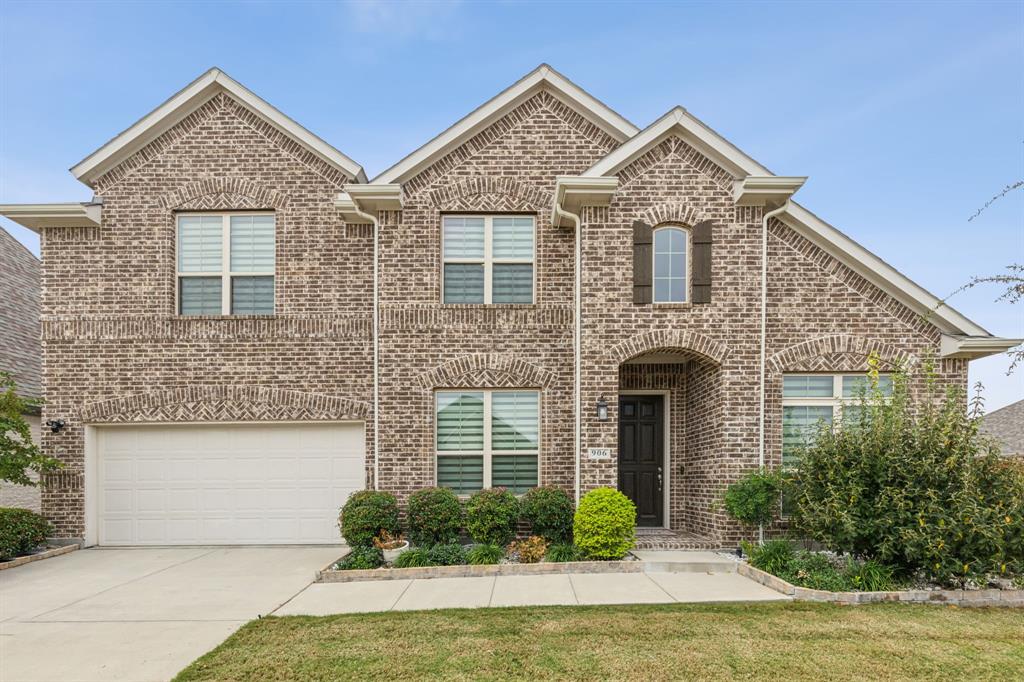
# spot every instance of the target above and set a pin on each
(756, 190)
(543, 77)
(680, 122)
(973, 347)
(372, 198)
(68, 214)
(879, 273)
(574, 192)
(185, 102)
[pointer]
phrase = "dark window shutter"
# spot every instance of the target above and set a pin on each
(643, 259)
(700, 278)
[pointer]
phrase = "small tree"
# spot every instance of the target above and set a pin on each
(18, 454)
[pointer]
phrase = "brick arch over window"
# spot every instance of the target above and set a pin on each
(223, 193)
(673, 212)
(497, 193)
(837, 352)
(487, 370)
(661, 340)
(224, 403)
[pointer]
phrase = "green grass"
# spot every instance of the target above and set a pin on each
(778, 641)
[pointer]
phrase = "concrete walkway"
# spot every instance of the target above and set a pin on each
(139, 614)
(678, 583)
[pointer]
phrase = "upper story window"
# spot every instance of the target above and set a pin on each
(488, 259)
(226, 264)
(671, 282)
(809, 400)
(487, 439)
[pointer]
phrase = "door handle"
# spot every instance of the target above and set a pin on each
(659, 479)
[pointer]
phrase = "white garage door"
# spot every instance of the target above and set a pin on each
(225, 484)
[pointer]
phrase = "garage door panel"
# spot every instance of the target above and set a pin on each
(226, 484)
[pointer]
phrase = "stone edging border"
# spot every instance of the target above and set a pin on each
(39, 556)
(989, 597)
(327, 575)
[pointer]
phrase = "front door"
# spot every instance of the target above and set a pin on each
(642, 455)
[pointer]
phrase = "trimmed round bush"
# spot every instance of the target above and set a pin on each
(605, 524)
(491, 516)
(21, 532)
(754, 499)
(549, 511)
(365, 514)
(434, 517)
(362, 558)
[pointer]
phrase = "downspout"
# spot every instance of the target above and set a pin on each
(577, 339)
(764, 337)
(376, 342)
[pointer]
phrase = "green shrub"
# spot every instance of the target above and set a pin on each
(910, 483)
(480, 555)
(366, 513)
(754, 499)
(451, 554)
(815, 571)
(604, 526)
(362, 558)
(868, 576)
(21, 532)
(434, 517)
(413, 558)
(774, 556)
(529, 551)
(563, 552)
(549, 511)
(491, 516)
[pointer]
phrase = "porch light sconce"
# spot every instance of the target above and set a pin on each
(602, 409)
(56, 425)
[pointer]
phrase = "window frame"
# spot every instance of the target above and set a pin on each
(489, 261)
(226, 274)
(488, 452)
(688, 257)
(836, 401)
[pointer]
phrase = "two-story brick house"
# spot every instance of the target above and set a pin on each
(241, 329)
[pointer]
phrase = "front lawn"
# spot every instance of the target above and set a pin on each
(696, 641)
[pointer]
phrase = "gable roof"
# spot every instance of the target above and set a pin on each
(1006, 425)
(542, 78)
(678, 121)
(20, 346)
(186, 101)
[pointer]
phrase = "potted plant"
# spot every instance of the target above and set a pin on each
(390, 545)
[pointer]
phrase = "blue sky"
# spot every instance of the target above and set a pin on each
(906, 116)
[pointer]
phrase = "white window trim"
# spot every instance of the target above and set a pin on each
(489, 261)
(688, 233)
(488, 452)
(836, 401)
(225, 272)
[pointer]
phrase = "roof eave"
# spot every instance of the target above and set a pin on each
(35, 217)
(543, 77)
(974, 347)
(186, 101)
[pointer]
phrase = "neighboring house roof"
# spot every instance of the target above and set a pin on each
(541, 78)
(1006, 425)
(20, 348)
(186, 101)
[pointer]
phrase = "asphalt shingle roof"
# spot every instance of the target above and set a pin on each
(1007, 426)
(20, 348)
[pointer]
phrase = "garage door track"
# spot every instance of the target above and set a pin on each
(140, 614)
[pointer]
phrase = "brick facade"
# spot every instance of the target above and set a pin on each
(115, 351)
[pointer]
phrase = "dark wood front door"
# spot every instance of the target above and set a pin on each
(642, 455)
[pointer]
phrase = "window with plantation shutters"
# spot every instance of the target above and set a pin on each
(487, 439)
(226, 264)
(487, 259)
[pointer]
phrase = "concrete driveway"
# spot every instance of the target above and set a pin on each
(140, 614)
